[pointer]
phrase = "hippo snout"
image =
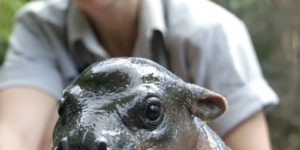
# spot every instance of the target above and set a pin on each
(63, 145)
(98, 145)
(84, 141)
(100, 139)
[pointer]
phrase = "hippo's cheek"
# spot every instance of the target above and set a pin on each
(176, 130)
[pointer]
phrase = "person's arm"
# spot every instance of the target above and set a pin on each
(227, 64)
(25, 114)
(254, 130)
(32, 78)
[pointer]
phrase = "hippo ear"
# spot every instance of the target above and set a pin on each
(206, 104)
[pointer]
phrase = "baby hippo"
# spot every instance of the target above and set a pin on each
(136, 104)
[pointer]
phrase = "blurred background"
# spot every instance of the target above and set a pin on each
(274, 26)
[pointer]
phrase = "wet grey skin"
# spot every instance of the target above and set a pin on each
(136, 104)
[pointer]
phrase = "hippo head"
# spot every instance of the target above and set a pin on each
(134, 103)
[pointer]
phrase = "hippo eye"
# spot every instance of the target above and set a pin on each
(153, 112)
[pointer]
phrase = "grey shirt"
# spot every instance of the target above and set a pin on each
(206, 45)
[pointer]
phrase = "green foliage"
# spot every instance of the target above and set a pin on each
(298, 143)
(7, 11)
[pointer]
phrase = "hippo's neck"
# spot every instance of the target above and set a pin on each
(208, 139)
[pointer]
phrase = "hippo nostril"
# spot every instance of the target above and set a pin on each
(102, 146)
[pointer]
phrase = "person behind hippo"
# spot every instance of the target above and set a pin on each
(52, 41)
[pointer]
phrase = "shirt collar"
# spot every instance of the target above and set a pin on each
(151, 17)
(76, 25)
(78, 28)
